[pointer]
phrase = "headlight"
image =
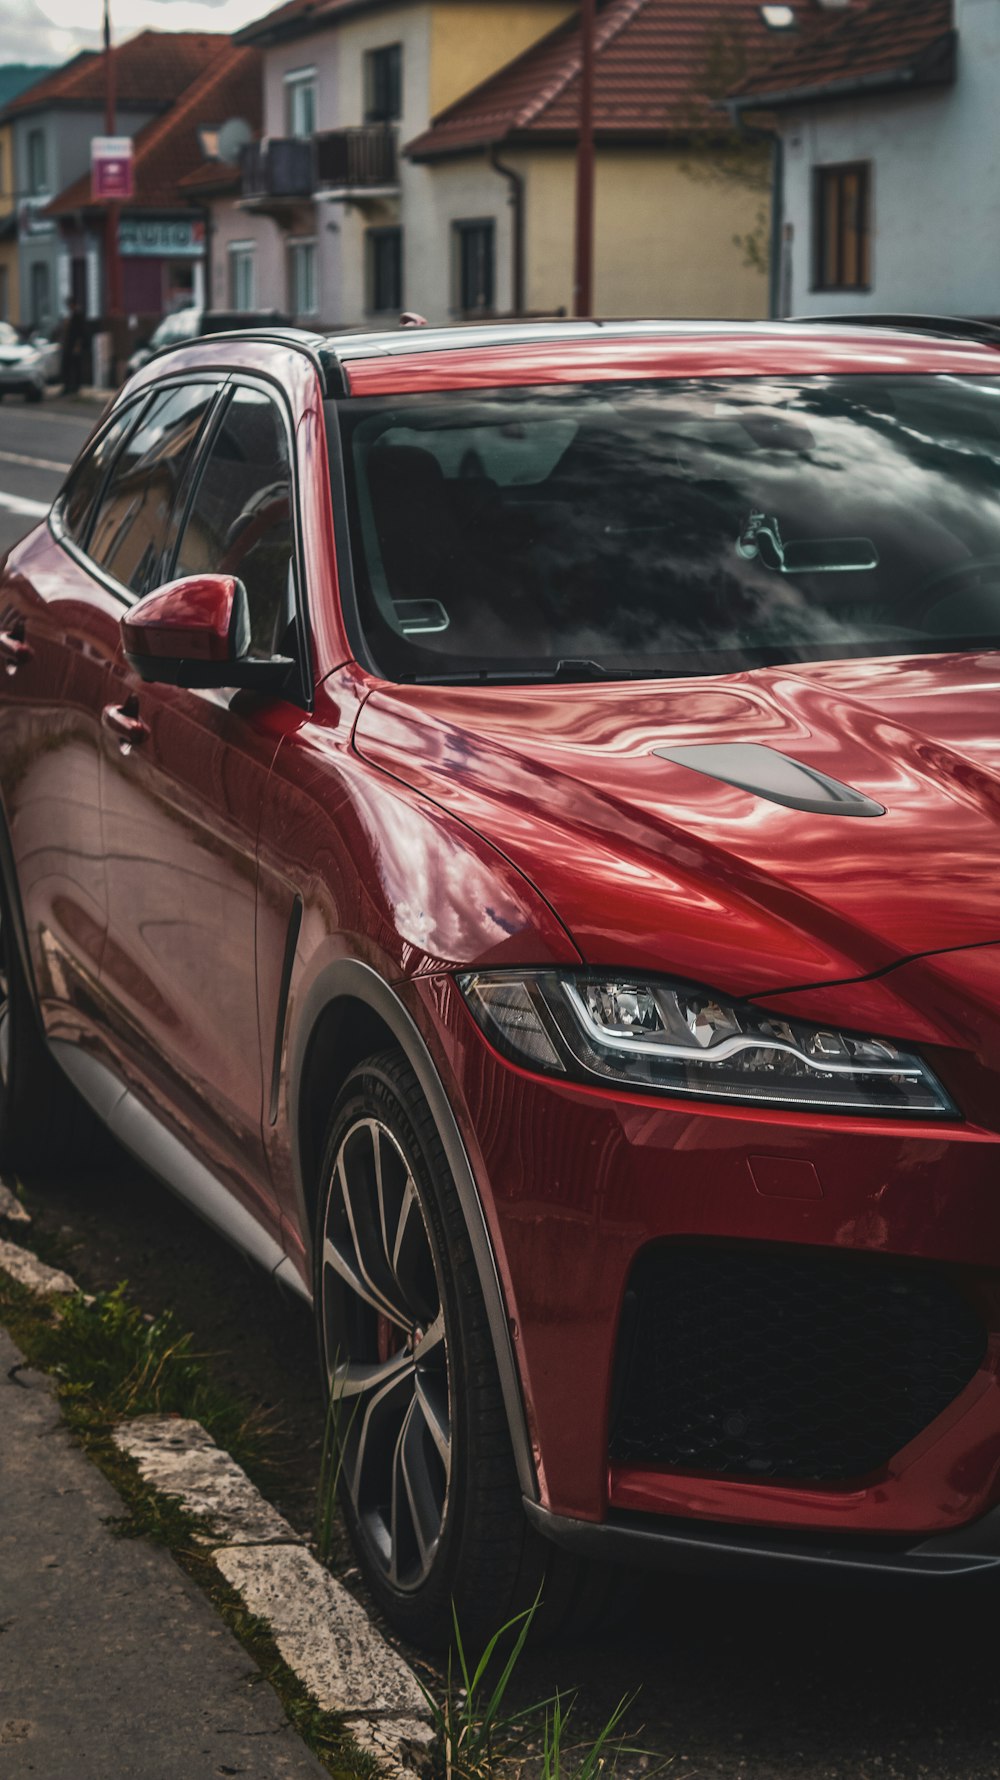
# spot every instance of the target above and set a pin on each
(667, 1038)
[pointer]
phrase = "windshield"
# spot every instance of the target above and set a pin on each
(673, 528)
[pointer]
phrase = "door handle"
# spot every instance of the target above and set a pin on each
(14, 651)
(126, 724)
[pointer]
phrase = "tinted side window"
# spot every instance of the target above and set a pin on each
(85, 483)
(132, 538)
(241, 518)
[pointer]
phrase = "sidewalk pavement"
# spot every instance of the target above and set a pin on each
(113, 1665)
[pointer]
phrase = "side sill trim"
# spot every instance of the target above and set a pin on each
(741, 1551)
(146, 1138)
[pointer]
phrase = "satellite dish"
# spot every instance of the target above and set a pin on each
(233, 135)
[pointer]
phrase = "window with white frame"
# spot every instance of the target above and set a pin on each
(242, 275)
(302, 290)
(300, 101)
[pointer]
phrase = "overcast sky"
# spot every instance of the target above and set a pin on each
(52, 30)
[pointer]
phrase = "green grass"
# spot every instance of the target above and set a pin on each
(110, 1362)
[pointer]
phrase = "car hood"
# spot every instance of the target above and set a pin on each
(18, 355)
(650, 863)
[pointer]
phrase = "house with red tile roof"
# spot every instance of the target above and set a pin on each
(51, 126)
(331, 223)
(680, 209)
(887, 162)
(163, 240)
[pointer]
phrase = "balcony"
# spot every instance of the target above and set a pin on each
(349, 164)
(357, 162)
(280, 168)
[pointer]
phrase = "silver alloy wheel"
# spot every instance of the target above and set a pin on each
(5, 1021)
(386, 1353)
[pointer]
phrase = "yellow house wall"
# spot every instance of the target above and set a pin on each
(469, 42)
(663, 235)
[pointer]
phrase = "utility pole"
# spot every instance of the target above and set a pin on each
(583, 272)
(111, 262)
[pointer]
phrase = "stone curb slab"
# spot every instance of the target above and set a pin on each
(11, 1209)
(29, 1271)
(179, 1458)
(323, 1634)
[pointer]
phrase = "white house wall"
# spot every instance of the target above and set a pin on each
(935, 169)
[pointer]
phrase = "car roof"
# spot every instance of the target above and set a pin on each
(485, 355)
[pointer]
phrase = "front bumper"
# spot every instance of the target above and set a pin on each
(743, 1552)
(577, 1182)
(18, 379)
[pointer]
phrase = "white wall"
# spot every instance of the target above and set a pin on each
(935, 185)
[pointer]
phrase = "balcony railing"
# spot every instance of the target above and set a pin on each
(281, 167)
(352, 160)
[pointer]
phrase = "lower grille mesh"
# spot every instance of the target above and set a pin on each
(793, 1363)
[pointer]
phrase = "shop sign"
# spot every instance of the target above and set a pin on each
(111, 174)
(180, 239)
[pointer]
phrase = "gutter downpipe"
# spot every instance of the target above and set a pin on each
(515, 199)
(777, 224)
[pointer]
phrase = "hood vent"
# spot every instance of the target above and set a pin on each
(766, 773)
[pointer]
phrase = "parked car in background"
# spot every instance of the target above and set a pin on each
(28, 361)
(506, 822)
(190, 324)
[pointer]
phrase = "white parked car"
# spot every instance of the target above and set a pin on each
(26, 365)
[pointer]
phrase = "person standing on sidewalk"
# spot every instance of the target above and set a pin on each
(74, 336)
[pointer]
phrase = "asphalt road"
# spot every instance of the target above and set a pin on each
(760, 1682)
(37, 446)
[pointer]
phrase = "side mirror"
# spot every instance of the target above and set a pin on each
(196, 632)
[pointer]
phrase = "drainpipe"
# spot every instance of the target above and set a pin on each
(777, 224)
(515, 199)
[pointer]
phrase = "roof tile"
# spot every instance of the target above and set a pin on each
(866, 45)
(151, 69)
(658, 65)
(168, 149)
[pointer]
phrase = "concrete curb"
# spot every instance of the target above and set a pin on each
(11, 1209)
(29, 1271)
(324, 1634)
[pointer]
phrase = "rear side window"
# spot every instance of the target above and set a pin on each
(132, 537)
(240, 521)
(84, 485)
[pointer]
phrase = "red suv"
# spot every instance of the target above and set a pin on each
(507, 823)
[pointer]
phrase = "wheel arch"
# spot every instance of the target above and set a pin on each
(349, 1012)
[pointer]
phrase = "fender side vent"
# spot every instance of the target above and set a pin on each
(779, 778)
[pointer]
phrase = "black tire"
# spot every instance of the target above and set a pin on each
(484, 1556)
(43, 1122)
(32, 394)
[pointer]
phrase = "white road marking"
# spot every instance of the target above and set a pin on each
(19, 503)
(33, 463)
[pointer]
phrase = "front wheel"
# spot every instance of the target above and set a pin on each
(428, 1482)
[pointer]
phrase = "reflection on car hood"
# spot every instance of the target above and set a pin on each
(651, 863)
